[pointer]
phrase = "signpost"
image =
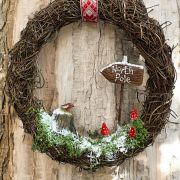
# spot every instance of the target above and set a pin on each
(124, 73)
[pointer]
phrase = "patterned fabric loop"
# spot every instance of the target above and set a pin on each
(89, 10)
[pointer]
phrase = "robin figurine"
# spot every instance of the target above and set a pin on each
(64, 118)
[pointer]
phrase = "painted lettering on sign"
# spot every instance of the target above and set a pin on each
(120, 72)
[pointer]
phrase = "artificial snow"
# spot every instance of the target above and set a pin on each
(85, 143)
(123, 62)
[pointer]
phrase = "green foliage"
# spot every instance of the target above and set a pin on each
(46, 138)
(141, 134)
(109, 148)
(94, 134)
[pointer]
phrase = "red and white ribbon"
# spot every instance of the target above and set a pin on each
(89, 10)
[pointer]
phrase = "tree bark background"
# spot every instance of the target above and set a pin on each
(70, 65)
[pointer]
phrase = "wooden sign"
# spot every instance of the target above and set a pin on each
(124, 73)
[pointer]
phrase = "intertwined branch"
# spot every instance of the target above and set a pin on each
(146, 34)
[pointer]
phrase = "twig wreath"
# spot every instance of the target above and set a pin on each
(23, 77)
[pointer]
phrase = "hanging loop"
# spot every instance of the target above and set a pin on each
(89, 10)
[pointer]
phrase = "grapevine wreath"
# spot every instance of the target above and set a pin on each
(66, 146)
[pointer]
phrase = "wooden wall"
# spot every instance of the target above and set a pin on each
(70, 65)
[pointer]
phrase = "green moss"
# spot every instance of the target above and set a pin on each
(45, 138)
(141, 134)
